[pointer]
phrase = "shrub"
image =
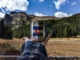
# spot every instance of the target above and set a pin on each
(8, 49)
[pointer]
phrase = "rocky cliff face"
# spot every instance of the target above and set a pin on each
(28, 17)
(19, 18)
(15, 19)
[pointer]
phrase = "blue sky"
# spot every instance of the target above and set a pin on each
(41, 7)
(58, 8)
(48, 7)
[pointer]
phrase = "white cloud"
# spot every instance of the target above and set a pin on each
(39, 14)
(2, 15)
(62, 14)
(11, 5)
(73, 3)
(41, 0)
(58, 3)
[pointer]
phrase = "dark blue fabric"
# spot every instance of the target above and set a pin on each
(32, 49)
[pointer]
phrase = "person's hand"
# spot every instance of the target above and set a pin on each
(32, 38)
(26, 39)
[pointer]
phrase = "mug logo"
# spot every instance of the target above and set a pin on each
(37, 31)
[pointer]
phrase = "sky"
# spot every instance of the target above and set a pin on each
(57, 8)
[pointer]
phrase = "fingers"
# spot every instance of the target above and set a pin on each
(32, 38)
(26, 38)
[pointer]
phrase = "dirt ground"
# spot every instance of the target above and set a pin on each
(55, 46)
(64, 47)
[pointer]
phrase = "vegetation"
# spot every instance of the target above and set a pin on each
(8, 49)
(7, 32)
(22, 31)
(64, 27)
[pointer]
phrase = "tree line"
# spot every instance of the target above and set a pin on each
(64, 27)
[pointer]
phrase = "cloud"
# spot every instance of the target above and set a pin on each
(39, 14)
(41, 0)
(2, 15)
(58, 3)
(62, 14)
(73, 3)
(12, 5)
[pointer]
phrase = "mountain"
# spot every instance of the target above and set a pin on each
(28, 17)
(15, 19)
(61, 25)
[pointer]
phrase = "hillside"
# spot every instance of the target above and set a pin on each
(19, 23)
